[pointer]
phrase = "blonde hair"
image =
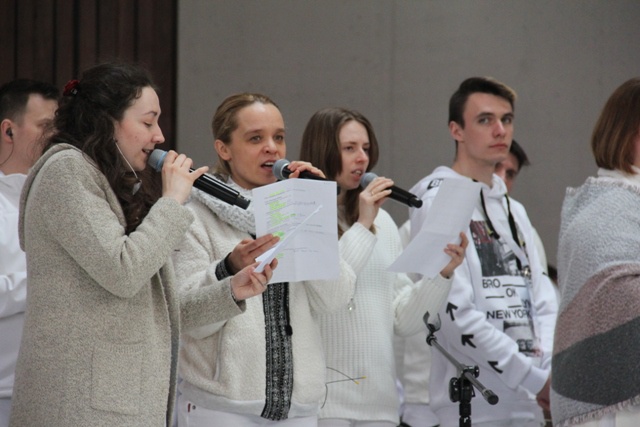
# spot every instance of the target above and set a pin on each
(225, 121)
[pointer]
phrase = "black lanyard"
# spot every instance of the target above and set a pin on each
(512, 225)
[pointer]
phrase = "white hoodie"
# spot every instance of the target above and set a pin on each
(13, 280)
(490, 319)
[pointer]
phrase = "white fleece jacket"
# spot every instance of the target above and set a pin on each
(223, 365)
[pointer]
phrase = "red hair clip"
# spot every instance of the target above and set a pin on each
(71, 88)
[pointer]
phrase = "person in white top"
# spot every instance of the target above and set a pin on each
(508, 170)
(27, 108)
(358, 339)
(413, 351)
(500, 313)
(262, 365)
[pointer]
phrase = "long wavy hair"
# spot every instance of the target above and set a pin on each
(86, 119)
(321, 146)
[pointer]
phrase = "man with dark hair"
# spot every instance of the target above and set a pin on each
(27, 108)
(509, 168)
(500, 314)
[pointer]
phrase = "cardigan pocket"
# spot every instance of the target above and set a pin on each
(116, 376)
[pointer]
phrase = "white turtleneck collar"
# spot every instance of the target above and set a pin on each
(631, 179)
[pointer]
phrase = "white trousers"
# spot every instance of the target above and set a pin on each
(190, 415)
(338, 422)
(508, 423)
(5, 411)
(419, 415)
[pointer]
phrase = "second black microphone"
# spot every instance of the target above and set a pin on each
(282, 172)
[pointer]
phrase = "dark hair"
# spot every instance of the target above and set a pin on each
(86, 118)
(613, 137)
(14, 96)
(321, 146)
(225, 121)
(553, 274)
(476, 85)
(519, 154)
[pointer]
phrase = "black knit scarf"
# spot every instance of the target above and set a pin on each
(279, 357)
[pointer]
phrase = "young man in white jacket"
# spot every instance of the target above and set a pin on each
(500, 314)
(26, 109)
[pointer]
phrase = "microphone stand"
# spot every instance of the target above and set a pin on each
(461, 387)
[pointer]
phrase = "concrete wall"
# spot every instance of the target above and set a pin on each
(398, 62)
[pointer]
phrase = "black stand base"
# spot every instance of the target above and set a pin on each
(460, 388)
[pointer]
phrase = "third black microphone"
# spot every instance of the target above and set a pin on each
(397, 194)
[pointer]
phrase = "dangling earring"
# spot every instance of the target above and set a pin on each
(138, 183)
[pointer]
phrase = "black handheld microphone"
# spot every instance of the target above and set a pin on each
(397, 194)
(206, 183)
(282, 172)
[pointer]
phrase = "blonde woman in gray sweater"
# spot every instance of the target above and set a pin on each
(100, 339)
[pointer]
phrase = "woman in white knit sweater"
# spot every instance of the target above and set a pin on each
(358, 340)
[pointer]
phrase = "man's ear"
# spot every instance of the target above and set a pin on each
(6, 132)
(222, 150)
(455, 130)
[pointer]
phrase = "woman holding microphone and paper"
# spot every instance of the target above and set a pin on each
(263, 366)
(358, 340)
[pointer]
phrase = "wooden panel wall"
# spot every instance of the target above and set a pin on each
(54, 40)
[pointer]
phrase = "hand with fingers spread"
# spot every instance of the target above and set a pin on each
(246, 252)
(371, 198)
(177, 179)
(456, 252)
(247, 283)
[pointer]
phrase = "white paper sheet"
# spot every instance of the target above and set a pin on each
(304, 214)
(449, 214)
(268, 256)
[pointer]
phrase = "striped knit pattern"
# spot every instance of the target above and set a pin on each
(596, 363)
(279, 358)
